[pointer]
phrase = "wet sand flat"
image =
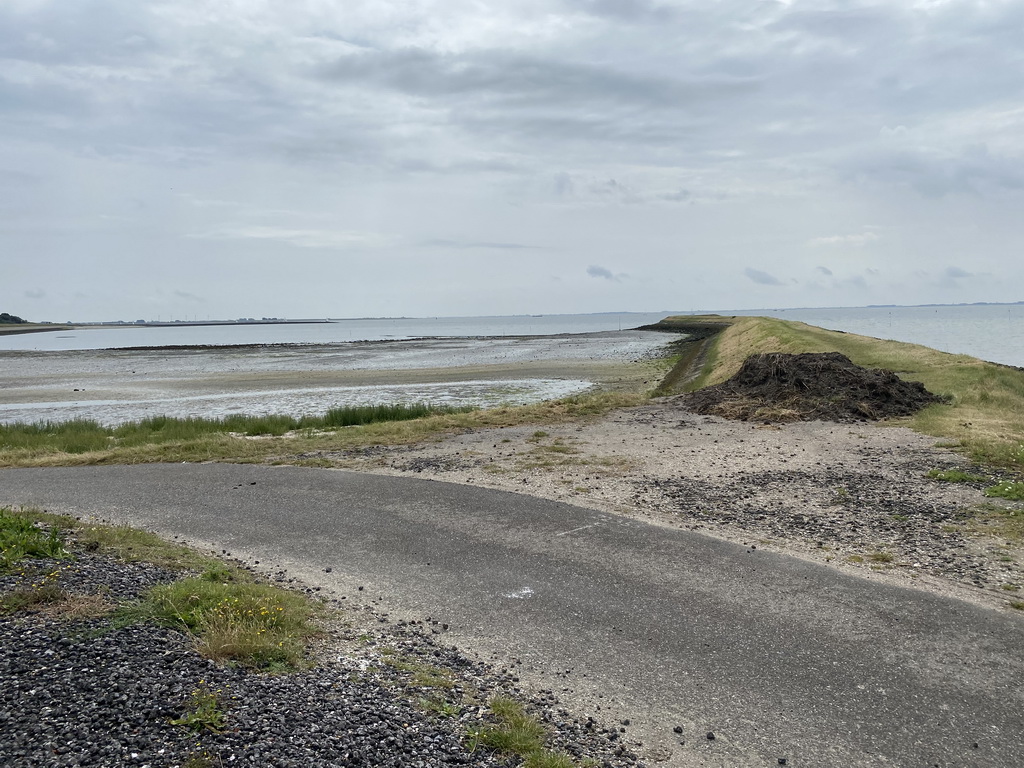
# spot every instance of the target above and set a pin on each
(120, 385)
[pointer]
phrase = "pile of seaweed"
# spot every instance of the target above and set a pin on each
(807, 387)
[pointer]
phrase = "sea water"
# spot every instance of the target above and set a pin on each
(324, 331)
(993, 332)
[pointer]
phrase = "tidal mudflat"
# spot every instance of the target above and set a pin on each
(118, 385)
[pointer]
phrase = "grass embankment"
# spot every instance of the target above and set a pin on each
(272, 438)
(985, 414)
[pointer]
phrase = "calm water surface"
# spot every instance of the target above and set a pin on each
(330, 332)
(992, 332)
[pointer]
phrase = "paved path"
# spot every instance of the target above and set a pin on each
(778, 657)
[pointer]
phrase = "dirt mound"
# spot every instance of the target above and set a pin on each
(812, 386)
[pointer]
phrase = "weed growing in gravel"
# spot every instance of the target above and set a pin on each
(955, 476)
(517, 733)
(841, 496)
(255, 625)
(203, 712)
(439, 706)
(421, 675)
(1006, 490)
(996, 521)
(1017, 605)
(881, 557)
(202, 760)
(20, 537)
(44, 590)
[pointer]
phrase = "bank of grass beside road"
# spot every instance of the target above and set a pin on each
(119, 645)
(270, 438)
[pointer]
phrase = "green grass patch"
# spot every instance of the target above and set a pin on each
(515, 732)
(22, 537)
(253, 625)
(955, 476)
(82, 436)
(1006, 490)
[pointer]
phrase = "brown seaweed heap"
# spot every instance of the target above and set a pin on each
(823, 386)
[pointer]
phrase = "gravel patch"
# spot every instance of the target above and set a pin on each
(86, 692)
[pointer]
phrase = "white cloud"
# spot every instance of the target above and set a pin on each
(303, 238)
(859, 239)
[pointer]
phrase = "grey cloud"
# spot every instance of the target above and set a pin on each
(563, 185)
(519, 80)
(35, 293)
(680, 196)
(824, 270)
(857, 281)
(626, 10)
(956, 273)
(936, 174)
(603, 273)
(188, 296)
(761, 278)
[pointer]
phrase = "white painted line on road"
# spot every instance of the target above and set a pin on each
(522, 594)
(581, 528)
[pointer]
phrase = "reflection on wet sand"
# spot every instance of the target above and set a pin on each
(113, 386)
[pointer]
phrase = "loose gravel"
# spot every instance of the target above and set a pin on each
(83, 691)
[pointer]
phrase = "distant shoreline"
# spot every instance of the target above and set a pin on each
(13, 329)
(192, 323)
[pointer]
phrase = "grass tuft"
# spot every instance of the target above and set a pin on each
(517, 733)
(254, 625)
(22, 537)
(1006, 490)
(955, 476)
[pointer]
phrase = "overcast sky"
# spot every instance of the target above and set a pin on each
(187, 158)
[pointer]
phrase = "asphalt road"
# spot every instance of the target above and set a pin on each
(778, 657)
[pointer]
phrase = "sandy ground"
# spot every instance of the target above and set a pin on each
(851, 496)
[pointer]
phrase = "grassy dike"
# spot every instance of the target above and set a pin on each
(985, 414)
